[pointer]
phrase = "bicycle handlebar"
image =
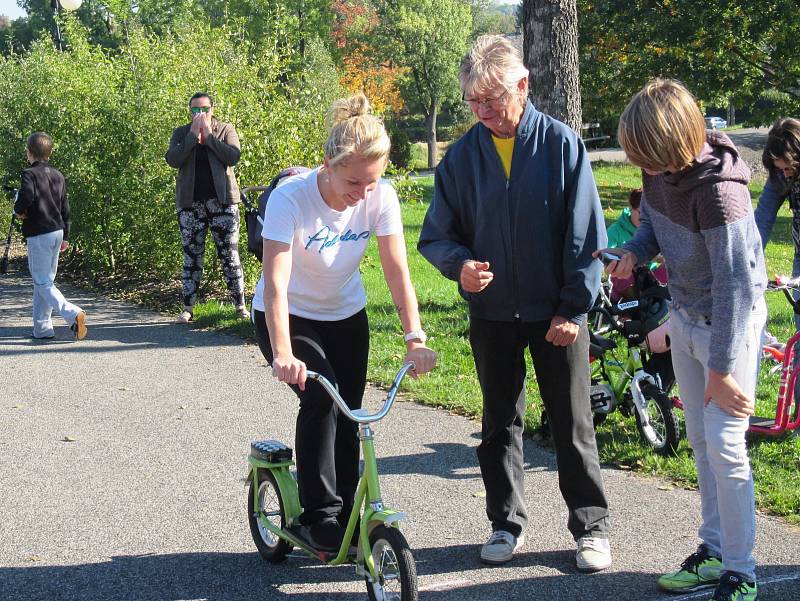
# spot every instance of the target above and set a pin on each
(359, 415)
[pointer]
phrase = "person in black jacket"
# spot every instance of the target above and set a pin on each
(43, 207)
(514, 217)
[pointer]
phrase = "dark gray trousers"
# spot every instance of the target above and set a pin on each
(563, 376)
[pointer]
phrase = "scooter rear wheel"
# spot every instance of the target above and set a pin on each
(397, 572)
(267, 504)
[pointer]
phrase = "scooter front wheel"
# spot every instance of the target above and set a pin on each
(266, 503)
(394, 564)
(663, 432)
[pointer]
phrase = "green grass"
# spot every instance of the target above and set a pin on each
(453, 385)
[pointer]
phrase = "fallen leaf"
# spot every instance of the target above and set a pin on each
(17, 406)
(68, 439)
(34, 558)
(480, 493)
(667, 487)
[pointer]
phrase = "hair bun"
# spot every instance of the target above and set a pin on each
(347, 108)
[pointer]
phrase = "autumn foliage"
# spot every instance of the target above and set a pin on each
(361, 71)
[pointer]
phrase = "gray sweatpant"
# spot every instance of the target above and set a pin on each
(718, 439)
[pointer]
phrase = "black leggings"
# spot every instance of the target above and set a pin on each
(326, 442)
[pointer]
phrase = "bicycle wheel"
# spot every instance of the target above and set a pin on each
(270, 506)
(663, 432)
(397, 572)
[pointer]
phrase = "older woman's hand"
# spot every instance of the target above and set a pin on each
(562, 331)
(475, 276)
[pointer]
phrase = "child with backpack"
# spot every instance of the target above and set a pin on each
(43, 207)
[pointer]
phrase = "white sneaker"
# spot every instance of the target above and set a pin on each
(594, 554)
(500, 547)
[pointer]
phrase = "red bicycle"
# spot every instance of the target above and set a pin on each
(787, 411)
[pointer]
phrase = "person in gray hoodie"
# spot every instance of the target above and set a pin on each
(514, 219)
(698, 214)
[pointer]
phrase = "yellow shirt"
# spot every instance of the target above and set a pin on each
(505, 148)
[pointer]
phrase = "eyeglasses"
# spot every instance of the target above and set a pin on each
(495, 103)
(200, 109)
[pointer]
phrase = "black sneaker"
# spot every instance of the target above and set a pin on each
(325, 535)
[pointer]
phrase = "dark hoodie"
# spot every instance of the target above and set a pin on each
(701, 220)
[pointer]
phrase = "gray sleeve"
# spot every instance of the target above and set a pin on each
(732, 289)
(643, 244)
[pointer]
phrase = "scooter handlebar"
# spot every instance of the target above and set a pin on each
(359, 415)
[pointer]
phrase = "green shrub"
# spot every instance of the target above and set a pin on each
(400, 154)
(111, 116)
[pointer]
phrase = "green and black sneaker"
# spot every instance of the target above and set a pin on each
(733, 587)
(699, 570)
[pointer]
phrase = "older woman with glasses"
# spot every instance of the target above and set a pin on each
(514, 219)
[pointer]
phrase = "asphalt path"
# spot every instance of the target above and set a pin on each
(123, 465)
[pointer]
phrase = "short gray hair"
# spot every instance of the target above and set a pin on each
(492, 60)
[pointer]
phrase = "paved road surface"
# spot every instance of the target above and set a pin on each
(147, 500)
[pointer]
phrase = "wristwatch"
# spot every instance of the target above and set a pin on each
(416, 335)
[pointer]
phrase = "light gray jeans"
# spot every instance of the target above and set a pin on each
(43, 252)
(718, 439)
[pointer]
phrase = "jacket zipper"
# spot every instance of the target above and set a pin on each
(515, 287)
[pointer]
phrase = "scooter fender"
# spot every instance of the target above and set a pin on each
(372, 519)
(387, 517)
(288, 489)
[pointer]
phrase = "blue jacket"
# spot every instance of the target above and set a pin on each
(537, 230)
(772, 197)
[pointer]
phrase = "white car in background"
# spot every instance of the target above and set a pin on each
(716, 123)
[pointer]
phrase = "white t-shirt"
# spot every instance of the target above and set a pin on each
(327, 245)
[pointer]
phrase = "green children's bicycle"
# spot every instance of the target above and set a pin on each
(382, 555)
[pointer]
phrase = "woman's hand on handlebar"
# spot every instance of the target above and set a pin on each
(289, 369)
(622, 268)
(423, 358)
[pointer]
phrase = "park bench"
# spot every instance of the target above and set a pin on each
(593, 136)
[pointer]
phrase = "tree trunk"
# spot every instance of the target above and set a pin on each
(550, 29)
(430, 122)
(731, 114)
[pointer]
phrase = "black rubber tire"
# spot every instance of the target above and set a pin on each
(666, 431)
(270, 547)
(395, 566)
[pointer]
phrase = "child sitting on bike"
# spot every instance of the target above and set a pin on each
(309, 306)
(697, 213)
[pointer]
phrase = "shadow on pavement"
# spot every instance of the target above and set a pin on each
(456, 461)
(108, 321)
(245, 577)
